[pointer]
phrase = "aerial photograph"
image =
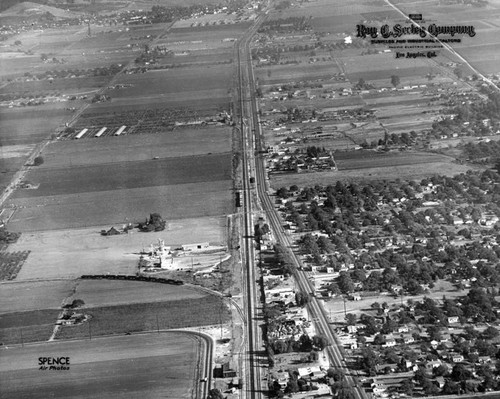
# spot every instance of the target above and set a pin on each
(249, 199)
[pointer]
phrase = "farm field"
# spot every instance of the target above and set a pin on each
(167, 144)
(29, 296)
(21, 129)
(153, 366)
(68, 254)
(371, 159)
(404, 165)
(148, 316)
(188, 103)
(30, 326)
(51, 294)
(78, 85)
(177, 80)
(404, 172)
(119, 292)
(286, 73)
(128, 175)
(32, 124)
(9, 166)
(201, 57)
(200, 199)
(326, 8)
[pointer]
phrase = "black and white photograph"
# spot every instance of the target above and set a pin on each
(249, 199)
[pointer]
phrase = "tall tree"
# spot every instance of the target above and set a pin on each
(395, 80)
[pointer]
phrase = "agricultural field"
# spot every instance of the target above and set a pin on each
(29, 296)
(165, 144)
(11, 263)
(153, 366)
(277, 74)
(115, 307)
(128, 175)
(180, 170)
(29, 326)
(30, 125)
(125, 191)
(68, 254)
(121, 206)
(120, 292)
(404, 166)
(148, 316)
(359, 104)
(173, 82)
(71, 86)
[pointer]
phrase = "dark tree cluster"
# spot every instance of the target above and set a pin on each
(154, 223)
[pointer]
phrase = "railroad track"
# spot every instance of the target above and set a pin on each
(253, 339)
(316, 311)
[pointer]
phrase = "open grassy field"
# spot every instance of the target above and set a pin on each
(67, 254)
(151, 366)
(148, 316)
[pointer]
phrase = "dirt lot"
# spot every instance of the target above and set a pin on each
(151, 366)
(70, 253)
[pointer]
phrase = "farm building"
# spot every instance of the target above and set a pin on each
(100, 132)
(81, 134)
(111, 232)
(195, 247)
(120, 130)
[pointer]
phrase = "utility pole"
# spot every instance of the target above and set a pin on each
(220, 316)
